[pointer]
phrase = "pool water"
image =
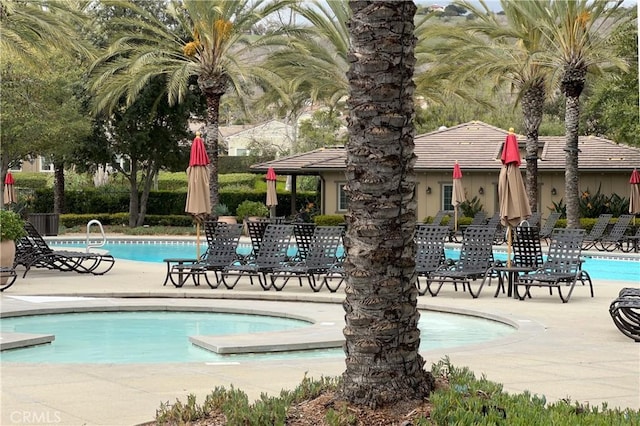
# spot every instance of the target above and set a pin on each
(151, 251)
(162, 336)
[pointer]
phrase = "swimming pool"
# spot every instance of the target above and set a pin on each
(605, 267)
(161, 336)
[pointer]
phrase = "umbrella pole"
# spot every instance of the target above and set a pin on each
(455, 218)
(508, 246)
(198, 240)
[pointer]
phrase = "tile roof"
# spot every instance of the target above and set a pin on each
(476, 146)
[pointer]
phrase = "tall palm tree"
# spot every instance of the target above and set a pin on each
(212, 41)
(499, 47)
(383, 365)
(29, 28)
(578, 35)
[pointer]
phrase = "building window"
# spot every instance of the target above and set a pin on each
(447, 193)
(242, 152)
(343, 200)
(46, 164)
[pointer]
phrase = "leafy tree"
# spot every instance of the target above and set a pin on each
(211, 41)
(322, 129)
(578, 35)
(383, 365)
(611, 109)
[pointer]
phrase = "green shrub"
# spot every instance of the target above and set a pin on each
(328, 219)
(11, 226)
(252, 208)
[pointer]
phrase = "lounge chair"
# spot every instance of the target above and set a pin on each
(615, 238)
(549, 225)
(272, 253)
(562, 268)
(430, 254)
(303, 233)
(222, 240)
(597, 232)
(32, 251)
(476, 257)
(527, 257)
(479, 219)
(320, 259)
(255, 230)
(625, 312)
(437, 220)
(631, 242)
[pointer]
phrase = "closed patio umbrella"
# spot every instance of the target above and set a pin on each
(457, 197)
(634, 196)
(9, 189)
(198, 196)
(272, 195)
(514, 205)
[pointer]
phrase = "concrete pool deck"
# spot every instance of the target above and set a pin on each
(561, 350)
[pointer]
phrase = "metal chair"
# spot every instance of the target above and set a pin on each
(562, 268)
(476, 257)
(430, 254)
(319, 260)
(272, 254)
(615, 238)
(597, 232)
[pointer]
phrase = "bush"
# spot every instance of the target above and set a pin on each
(328, 219)
(252, 208)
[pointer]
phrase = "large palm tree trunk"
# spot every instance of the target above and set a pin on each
(383, 365)
(213, 88)
(532, 111)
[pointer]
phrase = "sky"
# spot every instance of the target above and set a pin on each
(495, 4)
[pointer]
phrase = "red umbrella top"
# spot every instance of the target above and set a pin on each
(510, 151)
(271, 174)
(8, 179)
(457, 173)
(199, 155)
(634, 180)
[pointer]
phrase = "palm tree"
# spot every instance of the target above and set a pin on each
(383, 365)
(578, 35)
(211, 41)
(32, 27)
(499, 48)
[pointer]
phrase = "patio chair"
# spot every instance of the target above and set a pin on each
(8, 276)
(534, 220)
(614, 239)
(430, 254)
(272, 254)
(562, 268)
(479, 219)
(303, 233)
(597, 232)
(476, 257)
(222, 239)
(625, 312)
(437, 220)
(319, 260)
(255, 230)
(32, 251)
(527, 257)
(549, 225)
(630, 242)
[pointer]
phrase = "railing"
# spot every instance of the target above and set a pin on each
(91, 245)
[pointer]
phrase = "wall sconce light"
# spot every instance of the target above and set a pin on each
(428, 190)
(553, 191)
(481, 191)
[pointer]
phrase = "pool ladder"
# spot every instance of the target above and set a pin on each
(91, 245)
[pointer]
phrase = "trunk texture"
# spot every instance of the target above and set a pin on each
(146, 190)
(58, 191)
(572, 84)
(383, 365)
(532, 110)
(213, 87)
(133, 197)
